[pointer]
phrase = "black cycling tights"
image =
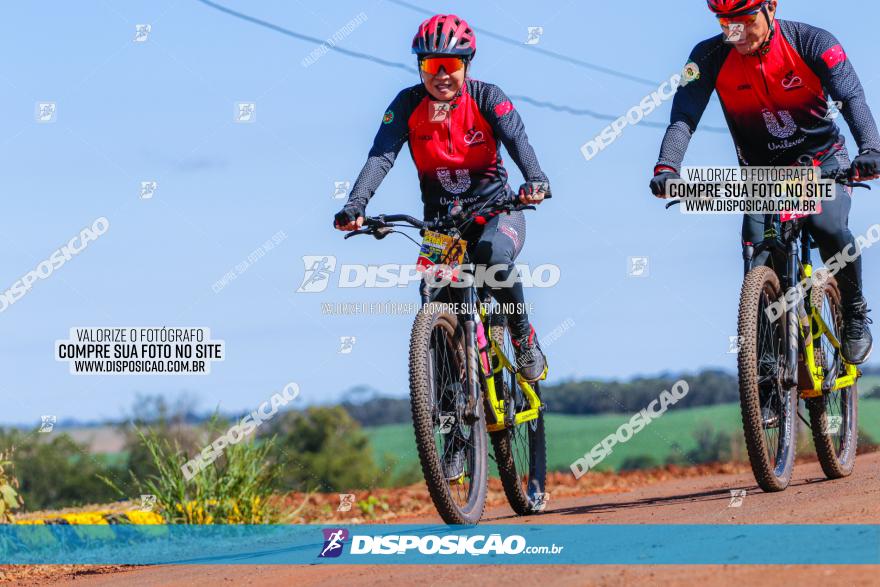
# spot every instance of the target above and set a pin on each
(499, 243)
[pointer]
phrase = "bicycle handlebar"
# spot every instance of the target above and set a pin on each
(383, 225)
(845, 177)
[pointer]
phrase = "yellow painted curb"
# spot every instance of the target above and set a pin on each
(138, 517)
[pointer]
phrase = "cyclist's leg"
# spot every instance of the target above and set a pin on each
(830, 230)
(498, 246)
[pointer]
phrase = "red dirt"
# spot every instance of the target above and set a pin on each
(670, 496)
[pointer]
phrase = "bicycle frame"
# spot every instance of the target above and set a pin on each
(803, 323)
(496, 362)
(497, 418)
(821, 382)
(499, 364)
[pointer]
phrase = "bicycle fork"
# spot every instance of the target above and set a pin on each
(429, 294)
(794, 313)
(472, 412)
(792, 316)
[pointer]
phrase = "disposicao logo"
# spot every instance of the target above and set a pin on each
(334, 540)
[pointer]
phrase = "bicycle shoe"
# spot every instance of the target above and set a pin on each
(530, 360)
(857, 342)
(453, 459)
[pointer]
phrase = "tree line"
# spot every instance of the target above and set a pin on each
(706, 388)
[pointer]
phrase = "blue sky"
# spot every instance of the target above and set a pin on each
(163, 110)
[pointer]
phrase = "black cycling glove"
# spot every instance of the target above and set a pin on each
(658, 182)
(867, 164)
(532, 187)
(349, 213)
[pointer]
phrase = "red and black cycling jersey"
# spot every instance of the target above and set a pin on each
(455, 146)
(776, 101)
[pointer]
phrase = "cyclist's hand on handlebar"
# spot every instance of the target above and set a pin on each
(866, 166)
(349, 218)
(533, 192)
(658, 182)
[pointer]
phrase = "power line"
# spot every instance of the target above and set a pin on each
(302, 37)
(578, 111)
(599, 115)
(398, 65)
(547, 52)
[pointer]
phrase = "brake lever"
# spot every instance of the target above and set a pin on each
(357, 232)
(382, 232)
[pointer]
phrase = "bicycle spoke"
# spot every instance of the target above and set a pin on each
(772, 396)
(448, 385)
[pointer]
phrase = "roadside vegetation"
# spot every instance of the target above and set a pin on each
(364, 442)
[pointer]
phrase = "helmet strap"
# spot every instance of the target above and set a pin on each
(771, 24)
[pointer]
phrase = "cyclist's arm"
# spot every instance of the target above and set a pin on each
(827, 58)
(393, 133)
(688, 106)
(508, 126)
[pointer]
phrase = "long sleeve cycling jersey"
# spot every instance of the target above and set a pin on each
(455, 146)
(776, 102)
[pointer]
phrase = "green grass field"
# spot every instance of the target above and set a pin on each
(569, 437)
(868, 383)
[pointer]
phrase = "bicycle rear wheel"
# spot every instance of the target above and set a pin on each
(520, 451)
(438, 394)
(834, 416)
(769, 408)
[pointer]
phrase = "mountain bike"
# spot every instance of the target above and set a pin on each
(789, 349)
(794, 356)
(463, 384)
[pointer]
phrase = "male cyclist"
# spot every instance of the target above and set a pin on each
(454, 126)
(774, 79)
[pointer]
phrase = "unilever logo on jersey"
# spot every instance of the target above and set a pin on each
(334, 540)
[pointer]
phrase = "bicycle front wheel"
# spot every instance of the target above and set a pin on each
(834, 416)
(452, 449)
(520, 451)
(768, 406)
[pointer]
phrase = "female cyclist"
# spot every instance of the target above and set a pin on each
(454, 126)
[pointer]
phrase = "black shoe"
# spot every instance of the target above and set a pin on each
(857, 342)
(530, 360)
(453, 460)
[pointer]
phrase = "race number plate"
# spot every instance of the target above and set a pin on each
(441, 256)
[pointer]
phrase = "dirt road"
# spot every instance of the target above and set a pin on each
(704, 500)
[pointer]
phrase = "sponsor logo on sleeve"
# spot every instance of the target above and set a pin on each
(834, 56)
(503, 108)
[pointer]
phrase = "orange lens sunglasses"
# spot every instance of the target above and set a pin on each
(433, 65)
(748, 20)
